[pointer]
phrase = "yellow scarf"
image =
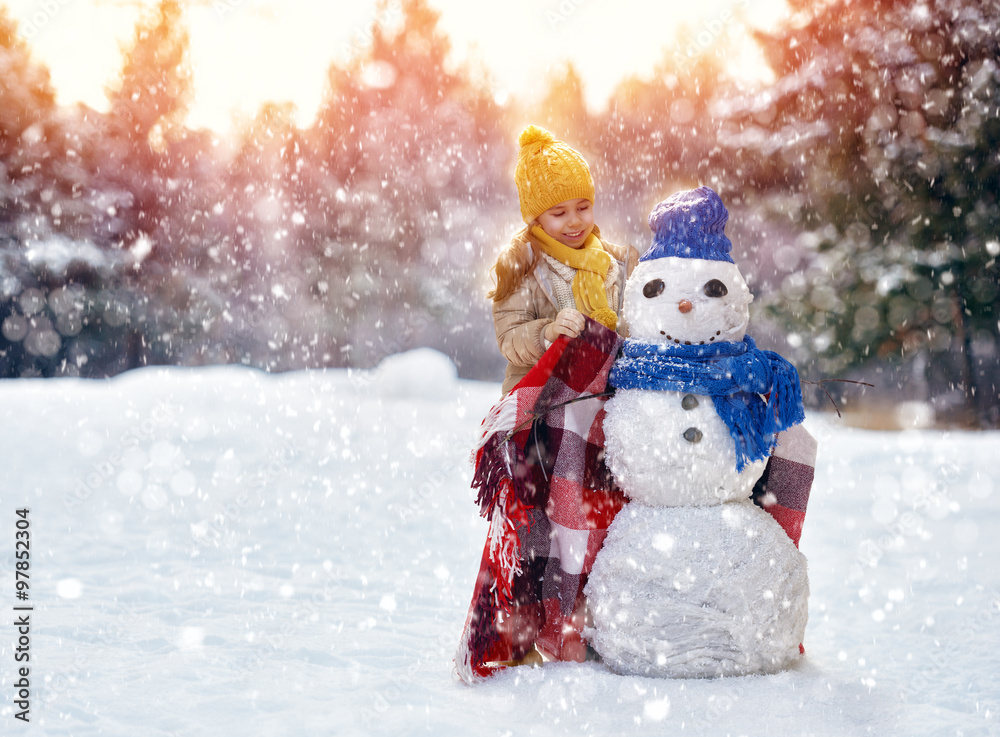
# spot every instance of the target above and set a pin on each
(591, 263)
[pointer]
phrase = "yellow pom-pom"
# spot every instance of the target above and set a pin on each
(534, 134)
(606, 317)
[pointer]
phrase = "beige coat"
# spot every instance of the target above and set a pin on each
(522, 317)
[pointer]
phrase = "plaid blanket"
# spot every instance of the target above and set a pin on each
(544, 487)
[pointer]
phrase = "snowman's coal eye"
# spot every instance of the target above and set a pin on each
(715, 288)
(653, 288)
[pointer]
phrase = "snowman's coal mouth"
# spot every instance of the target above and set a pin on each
(678, 341)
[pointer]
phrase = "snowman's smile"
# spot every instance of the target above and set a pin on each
(730, 324)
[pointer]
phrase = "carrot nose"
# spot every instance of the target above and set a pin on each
(685, 306)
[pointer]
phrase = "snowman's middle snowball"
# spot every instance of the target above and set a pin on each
(672, 449)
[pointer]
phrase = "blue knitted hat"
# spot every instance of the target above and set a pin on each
(690, 225)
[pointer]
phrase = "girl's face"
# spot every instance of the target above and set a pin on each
(570, 222)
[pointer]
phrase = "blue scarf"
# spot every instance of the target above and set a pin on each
(734, 375)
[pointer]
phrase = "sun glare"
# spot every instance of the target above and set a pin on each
(246, 52)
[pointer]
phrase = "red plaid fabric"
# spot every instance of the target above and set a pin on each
(783, 489)
(545, 489)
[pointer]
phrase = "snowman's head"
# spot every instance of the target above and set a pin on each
(684, 301)
(686, 289)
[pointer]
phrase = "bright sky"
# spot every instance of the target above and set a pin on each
(247, 51)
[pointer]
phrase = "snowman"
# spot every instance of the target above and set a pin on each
(694, 579)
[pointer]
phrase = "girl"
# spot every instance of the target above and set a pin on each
(558, 268)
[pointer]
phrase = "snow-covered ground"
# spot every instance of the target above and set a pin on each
(223, 552)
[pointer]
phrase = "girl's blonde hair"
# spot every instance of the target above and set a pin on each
(515, 262)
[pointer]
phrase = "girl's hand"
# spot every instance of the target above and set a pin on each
(567, 322)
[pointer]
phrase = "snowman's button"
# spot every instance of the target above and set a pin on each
(692, 435)
(690, 401)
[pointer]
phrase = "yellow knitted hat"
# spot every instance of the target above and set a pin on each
(548, 172)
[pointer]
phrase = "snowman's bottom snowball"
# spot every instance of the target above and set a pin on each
(698, 592)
